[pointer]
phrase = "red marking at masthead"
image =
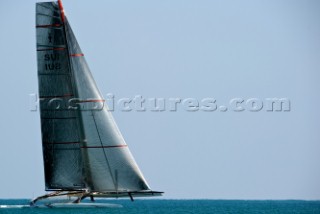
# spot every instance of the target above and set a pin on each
(61, 10)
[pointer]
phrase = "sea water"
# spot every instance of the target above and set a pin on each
(178, 206)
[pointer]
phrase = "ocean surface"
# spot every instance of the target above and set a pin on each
(177, 206)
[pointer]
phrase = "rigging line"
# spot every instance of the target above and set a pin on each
(56, 74)
(104, 152)
(50, 26)
(57, 96)
(58, 110)
(50, 46)
(53, 146)
(105, 147)
(60, 143)
(58, 118)
(52, 49)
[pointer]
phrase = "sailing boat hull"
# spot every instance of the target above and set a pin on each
(64, 205)
(125, 194)
(83, 205)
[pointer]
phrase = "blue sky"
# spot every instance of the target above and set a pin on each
(182, 49)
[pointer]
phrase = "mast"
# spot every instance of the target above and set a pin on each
(61, 10)
(85, 174)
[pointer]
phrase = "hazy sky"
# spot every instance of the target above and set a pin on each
(182, 49)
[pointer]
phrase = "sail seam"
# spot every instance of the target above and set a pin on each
(57, 110)
(56, 74)
(58, 118)
(61, 143)
(42, 14)
(90, 101)
(50, 46)
(49, 26)
(105, 147)
(52, 49)
(57, 96)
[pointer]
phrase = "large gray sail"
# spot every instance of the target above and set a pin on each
(108, 163)
(60, 126)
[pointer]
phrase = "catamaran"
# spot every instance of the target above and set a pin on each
(84, 153)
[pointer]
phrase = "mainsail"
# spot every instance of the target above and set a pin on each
(61, 133)
(83, 148)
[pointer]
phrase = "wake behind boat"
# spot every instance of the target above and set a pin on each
(85, 155)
